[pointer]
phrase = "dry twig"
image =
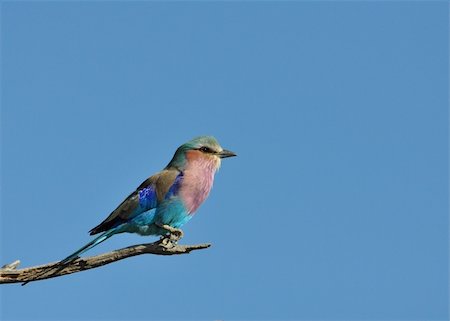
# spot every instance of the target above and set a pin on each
(10, 274)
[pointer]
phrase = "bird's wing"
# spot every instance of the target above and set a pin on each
(146, 197)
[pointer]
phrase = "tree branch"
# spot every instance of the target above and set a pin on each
(10, 274)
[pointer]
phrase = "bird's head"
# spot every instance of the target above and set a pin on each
(205, 148)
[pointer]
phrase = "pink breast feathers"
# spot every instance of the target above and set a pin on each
(198, 179)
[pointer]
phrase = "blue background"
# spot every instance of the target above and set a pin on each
(335, 209)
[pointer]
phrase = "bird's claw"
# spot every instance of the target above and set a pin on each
(174, 235)
(166, 242)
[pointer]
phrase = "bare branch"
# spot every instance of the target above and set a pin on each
(10, 274)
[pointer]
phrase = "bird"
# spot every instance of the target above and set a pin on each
(167, 200)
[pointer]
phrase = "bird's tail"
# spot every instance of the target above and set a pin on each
(61, 264)
(99, 239)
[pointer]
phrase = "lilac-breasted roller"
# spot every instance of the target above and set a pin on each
(167, 200)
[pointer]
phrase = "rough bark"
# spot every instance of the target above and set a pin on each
(10, 274)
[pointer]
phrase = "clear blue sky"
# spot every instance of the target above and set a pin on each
(335, 209)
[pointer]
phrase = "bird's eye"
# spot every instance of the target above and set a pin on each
(205, 149)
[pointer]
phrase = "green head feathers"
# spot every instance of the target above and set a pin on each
(205, 144)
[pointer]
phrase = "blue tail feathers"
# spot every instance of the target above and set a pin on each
(99, 239)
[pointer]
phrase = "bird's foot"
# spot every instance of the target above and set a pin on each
(175, 234)
(166, 242)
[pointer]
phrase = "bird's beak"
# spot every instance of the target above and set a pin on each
(226, 153)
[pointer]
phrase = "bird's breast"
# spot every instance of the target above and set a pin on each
(198, 178)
